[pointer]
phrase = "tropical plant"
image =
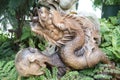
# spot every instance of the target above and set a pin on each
(14, 12)
(110, 30)
(29, 39)
(100, 71)
(98, 3)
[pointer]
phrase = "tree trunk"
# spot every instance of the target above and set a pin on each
(20, 21)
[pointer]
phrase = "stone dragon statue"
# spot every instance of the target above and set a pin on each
(77, 39)
(30, 61)
(74, 35)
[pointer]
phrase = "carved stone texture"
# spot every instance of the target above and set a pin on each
(30, 61)
(75, 36)
(58, 4)
(27, 63)
(76, 39)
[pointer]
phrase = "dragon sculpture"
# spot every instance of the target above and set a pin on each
(76, 37)
(30, 61)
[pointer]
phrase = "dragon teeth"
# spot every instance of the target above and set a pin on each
(66, 39)
(60, 42)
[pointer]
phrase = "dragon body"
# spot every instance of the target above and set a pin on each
(79, 37)
(86, 36)
(90, 53)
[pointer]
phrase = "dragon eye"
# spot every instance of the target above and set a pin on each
(40, 10)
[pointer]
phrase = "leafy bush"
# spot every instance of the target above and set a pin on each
(29, 39)
(110, 31)
(98, 3)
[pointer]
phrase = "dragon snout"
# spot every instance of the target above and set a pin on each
(35, 19)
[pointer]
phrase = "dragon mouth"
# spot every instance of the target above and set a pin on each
(48, 30)
(58, 40)
(40, 31)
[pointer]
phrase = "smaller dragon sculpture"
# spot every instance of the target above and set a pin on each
(30, 61)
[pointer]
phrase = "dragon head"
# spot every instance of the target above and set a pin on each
(43, 26)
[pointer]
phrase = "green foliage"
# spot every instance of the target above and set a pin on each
(15, 14)
(110, 31)
(12, 7)
(7, 70)
(7, 55)
(73, 75)
(3, 37)
(3, 6)
(29, 39)
(98, 3)
(7, 48)
(101, 71)
(102, 76)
